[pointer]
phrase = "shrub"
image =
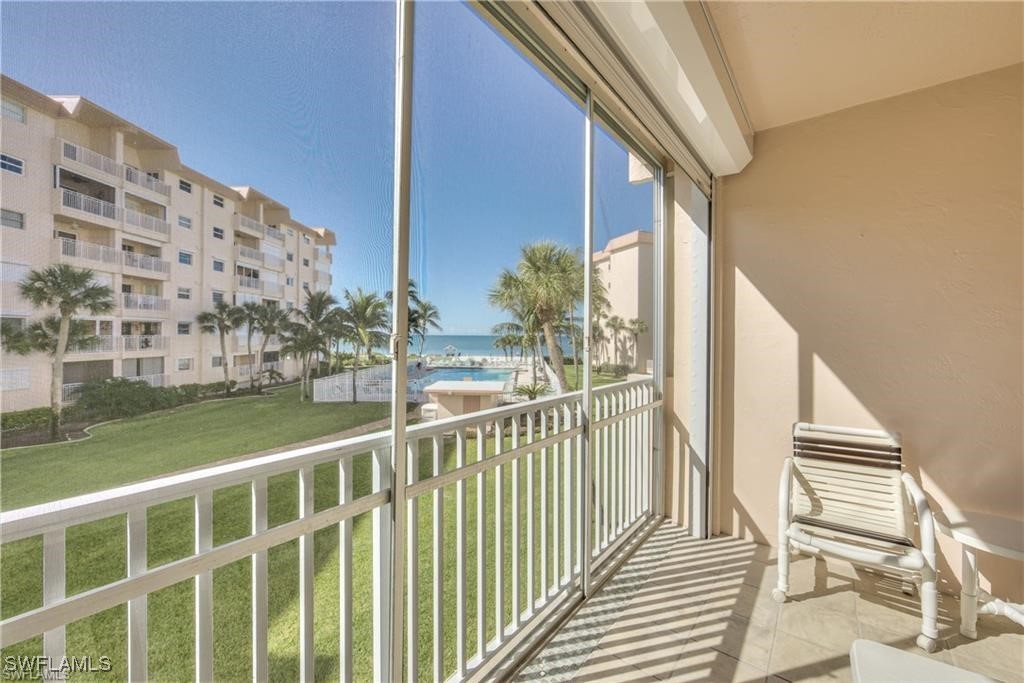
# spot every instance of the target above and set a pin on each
(124, 397)
(34, 418)
(615, 370)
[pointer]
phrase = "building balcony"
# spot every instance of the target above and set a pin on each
(249, 254)
(72, 154)
(145, 302)
(144, 265)
(321, 277)
(99, 344)
(143, 180)
(245, 282)
(274, 234)
(247, 370)
(273, 289)
(146, 225)
(273, 262)
(87, 254)
(144, 342)
(83, 207)
(250, 226)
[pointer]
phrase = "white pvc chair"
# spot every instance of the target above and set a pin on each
(844, 493)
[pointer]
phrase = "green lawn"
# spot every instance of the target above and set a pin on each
(200, 434)
(598, 378)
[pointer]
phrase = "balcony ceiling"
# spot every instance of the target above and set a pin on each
(796, 60)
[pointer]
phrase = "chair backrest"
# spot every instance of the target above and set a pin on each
(849, 480)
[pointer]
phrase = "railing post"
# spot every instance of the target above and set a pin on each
(383, 570)
(586, 402)
(53, 591)
(137, 607)
(204, 588)
(260, 592)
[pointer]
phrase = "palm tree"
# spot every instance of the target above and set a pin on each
(271, 320)
(412, 317)
(636, 328)
(366, 315)
(543, 284)
(616, 326)
(249, 316)
(424, 317)
(318, 314)
(306, 343)
(221, 320)
(69, 290)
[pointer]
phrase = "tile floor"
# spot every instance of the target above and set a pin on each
(688, 610)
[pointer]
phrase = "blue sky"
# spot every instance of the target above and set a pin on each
(297, 100)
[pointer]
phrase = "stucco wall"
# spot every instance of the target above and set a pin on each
(870, 274)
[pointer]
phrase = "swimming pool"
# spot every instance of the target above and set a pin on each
(475, 374)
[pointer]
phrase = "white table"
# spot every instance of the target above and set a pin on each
(991, 534)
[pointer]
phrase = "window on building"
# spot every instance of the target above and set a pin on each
(305, 262)
(305, 285)
(13, 111)
(289, 305)
(185, 293)
(291, 233)
(12, 322)
(305, 239)
(218, 200)
(184, 364)
(218, 296)
(289, 280)
(184, 328)
(185, 258)
(217, 362)
(185, 186)
(12, 164)
(218, 265)
(218, 233)
(12, 219)
(290, 256)
(185, 222)
(153, 175)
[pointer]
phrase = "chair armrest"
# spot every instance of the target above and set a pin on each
(925, 521)
(785, 490)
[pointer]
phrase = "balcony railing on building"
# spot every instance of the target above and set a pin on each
(79, 249)
(147, 222)
(273, 289)
(250, 224)
(103, 343)
(146, 262)
(142, 179)
(144, 342)
(83, 202)
(273, 262)
(274, 234)
(246, 282)
(91, 158)
(248, 253)
(144, 302)
(560, 517)
(247, 370)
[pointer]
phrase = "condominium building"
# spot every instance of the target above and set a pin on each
(626, 269)
(82, 186)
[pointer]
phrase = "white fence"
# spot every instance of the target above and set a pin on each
(525, 463)
(373, 385)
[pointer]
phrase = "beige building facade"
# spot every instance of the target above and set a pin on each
(82, 186)
(626, 269)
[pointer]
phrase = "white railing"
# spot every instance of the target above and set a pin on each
(98, 344)
(13, 379)
(272, 261)
(273, 288)
(147, 222)
(133, 259)
(137, 177)
(83, 202)
(242, 251)
(152, 380)
(144, 342)
(83, 155)
(144, 302)
(247, 282)
(251, 224)
(274, 233)
(521, 466)
(68, 248)
(322, 277)
(246, 370)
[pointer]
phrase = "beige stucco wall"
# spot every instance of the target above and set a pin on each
(870, 274)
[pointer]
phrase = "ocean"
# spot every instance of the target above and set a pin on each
(467, 344)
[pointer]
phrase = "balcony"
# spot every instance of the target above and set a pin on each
(273, 289)
(250, 283)
(273, 262)
(144, 302)
(249, 254)
(144, 342)
(99, 344)
(322, 277)
(77, 154)
(528, 452)
(274, 234)
(86, 254)
(250, 226)
(147, 225)
(77, 205)
(246, 370)
(145, 265)
(143, 180)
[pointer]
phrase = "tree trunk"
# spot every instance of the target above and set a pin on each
(224, 362)
(303, 360)
(57, 376)
(259, 363)
(355, 369)
(423, 340)
(555, 351)
(248, 349)
(575, 350)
